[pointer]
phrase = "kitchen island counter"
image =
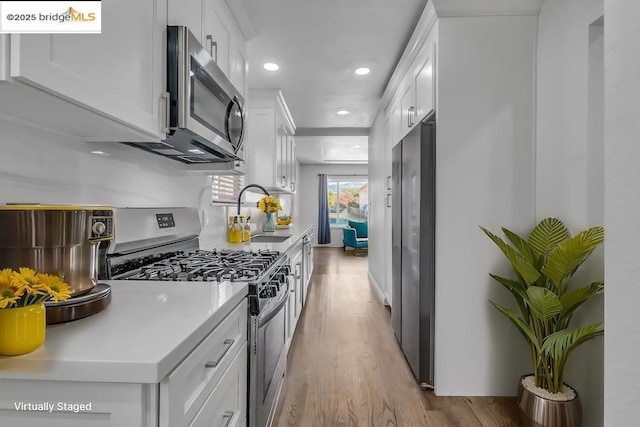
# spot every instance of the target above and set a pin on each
(144, 333)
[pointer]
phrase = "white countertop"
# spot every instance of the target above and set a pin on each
(144, 333)
(148, 328)
(214, 240)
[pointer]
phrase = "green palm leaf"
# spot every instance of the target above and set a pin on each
(522, 326)
(518, 289)
(521, 245)
(544, 304)
(523, 267)
(563, 261)
(547, 235)
(560, 344)
(574, 298)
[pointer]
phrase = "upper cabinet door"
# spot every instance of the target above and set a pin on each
(118, 74)
(424, 81)
(407, 107)
(216, 34)
(292, 164)
(187, 13)
(238, 67)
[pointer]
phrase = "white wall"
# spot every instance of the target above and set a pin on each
(569, 158)
(378, 262)
(622, 212)
(484, 176)
(307, 194)
(38, 166)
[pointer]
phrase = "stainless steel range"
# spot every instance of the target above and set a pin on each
(162, 245)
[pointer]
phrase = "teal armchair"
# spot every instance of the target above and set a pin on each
(355, 235)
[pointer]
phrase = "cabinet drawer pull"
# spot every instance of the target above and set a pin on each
(228, 416)
(227, 345)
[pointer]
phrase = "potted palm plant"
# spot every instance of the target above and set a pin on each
(544, 265)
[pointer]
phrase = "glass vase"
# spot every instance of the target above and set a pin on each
(269, 222)
(22, 329)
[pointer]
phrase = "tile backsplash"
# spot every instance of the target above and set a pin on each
(37, 166)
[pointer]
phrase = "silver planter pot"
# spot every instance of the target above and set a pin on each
(541, 412)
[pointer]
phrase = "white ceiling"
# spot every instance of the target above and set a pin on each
(318, 45)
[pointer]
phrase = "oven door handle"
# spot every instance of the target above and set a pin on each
(271, 314)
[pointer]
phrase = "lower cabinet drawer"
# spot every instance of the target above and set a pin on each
(184, 391)
(226, 406)
(103, 404)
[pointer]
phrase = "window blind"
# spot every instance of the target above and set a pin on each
(225, 188)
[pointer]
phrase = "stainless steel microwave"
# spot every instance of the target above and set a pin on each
(206, 117)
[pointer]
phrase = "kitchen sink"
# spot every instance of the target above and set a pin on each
(263, 238)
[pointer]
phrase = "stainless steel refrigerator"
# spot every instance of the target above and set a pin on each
(413, 247)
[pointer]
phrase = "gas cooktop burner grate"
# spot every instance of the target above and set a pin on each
(200, 266)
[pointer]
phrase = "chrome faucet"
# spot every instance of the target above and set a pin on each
(249, 186)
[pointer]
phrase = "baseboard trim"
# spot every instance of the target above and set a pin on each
(377, 288)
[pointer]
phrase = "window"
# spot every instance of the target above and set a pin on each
(348, 199)
(225, 188)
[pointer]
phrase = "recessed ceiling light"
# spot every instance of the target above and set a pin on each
(100, 153)
(196, 151)
(355, 146)
(362, 71)
(342, 112)
(271, 66)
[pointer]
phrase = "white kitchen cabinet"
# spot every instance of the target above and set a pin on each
(238, 64)
(417, 91)
(118, 74)
(423, 80)
(291, 163)
(112, 404)
(394, 120)
(411, 95)
(208, 387)
(307, 264)
(216, 34)
(187, 13)
(298, 286)
(227, 404)
(213, 24)
(186, 390)
(407, 106)
(270, 131)
(291, 315)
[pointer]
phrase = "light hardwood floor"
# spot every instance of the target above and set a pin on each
(346, 369)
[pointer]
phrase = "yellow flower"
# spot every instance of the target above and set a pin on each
(26, 286)
(269, 204)
(9, 295)
(6, 277)
(53, 286)
(9, 291)
(25, 280)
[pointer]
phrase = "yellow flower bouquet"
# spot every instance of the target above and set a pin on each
(269, 204)
(27, 287)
